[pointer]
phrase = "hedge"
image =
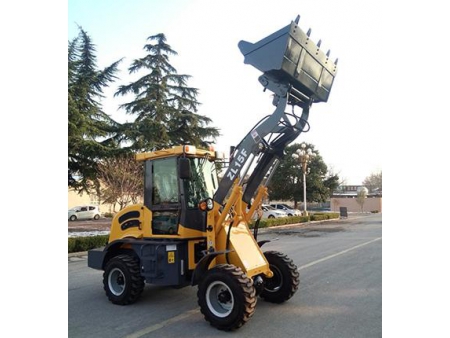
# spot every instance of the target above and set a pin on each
(79, 244)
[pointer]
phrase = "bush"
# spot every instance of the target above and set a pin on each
(273, 222)
(79, 244)
(320, 216)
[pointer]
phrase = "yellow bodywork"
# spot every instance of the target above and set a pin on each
(145, 228)
(244, 250)
(175, 151)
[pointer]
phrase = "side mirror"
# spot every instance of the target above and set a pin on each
(184, 168)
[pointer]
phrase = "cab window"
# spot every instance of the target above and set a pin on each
(165, 182)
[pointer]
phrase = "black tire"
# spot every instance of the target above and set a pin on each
(226, 297)
(271, 216)
(285, 280)
(96, 217)
(122, 281)
(73, 218)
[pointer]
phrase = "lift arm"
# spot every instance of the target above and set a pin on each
(299, 74)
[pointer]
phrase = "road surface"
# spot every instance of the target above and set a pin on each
(340, 293)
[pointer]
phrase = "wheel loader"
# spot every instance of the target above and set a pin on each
(193, 229)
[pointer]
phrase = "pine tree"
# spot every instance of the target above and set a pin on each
(164, 106)
(90, 130)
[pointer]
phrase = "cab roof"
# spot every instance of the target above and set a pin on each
(190, 151)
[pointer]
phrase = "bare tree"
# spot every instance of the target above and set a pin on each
(374, 181)
(121, 179)
(361, 197)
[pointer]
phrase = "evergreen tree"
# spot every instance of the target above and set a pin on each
(164, 107)
(90, 130)
(287, 182)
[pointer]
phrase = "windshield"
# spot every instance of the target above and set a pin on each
(203, 182)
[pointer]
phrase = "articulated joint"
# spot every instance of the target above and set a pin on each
(278, 88)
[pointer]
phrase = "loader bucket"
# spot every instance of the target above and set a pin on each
(289, 56)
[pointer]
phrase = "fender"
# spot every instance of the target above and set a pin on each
(97, 258)
(203, 264)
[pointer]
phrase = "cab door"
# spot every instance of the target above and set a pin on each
(162, 195)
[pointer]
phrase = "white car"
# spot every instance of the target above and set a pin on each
(271, 212)
(84, 212)
(287, 209)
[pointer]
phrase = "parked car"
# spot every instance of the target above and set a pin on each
(271, 212)
(84, 212)
(287, 209)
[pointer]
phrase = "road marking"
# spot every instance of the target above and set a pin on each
(337, 254)
(158, 326)
(186, 314)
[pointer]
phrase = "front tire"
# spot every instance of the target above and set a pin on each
(73, 218)
(285, 280)
(122, 281)
(226, 297)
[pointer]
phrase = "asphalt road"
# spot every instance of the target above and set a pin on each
(340, 293)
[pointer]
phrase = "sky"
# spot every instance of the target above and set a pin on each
(346, 130)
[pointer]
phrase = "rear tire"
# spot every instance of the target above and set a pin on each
(96, 217)
(226, 297)
(122, 281)
(285, 280)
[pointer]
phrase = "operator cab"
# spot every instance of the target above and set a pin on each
(174, 187)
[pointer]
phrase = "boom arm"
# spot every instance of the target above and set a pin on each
(299, 74)
(255, 143)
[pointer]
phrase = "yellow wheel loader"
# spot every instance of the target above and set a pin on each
(193, 229)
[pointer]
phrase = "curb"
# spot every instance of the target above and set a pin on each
(78, 254)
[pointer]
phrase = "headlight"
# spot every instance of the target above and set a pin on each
(207, 204)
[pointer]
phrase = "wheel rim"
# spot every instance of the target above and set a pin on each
(220, 299)
(274, 284)
(116, 281)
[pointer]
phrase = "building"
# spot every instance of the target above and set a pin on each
(76, 199)
(346, 196)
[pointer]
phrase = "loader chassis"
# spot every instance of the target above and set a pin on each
(192, 229)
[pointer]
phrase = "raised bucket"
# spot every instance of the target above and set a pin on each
(289, 56)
